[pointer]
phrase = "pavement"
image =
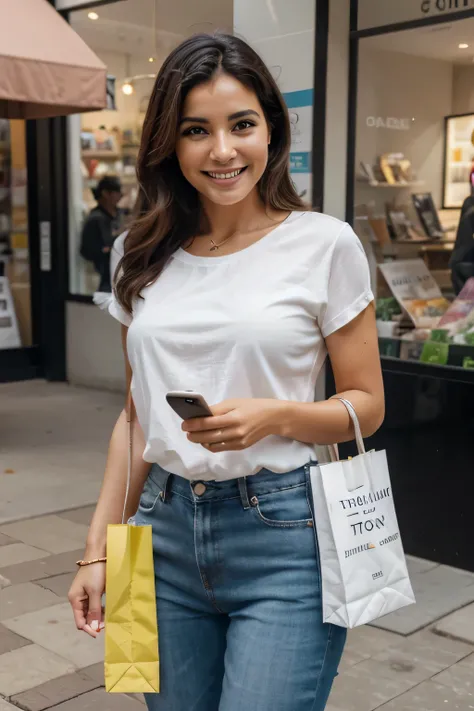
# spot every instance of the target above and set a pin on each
(53, 441)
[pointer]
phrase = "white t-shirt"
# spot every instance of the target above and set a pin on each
(246, 325)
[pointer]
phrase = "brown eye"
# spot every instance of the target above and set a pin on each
(243, 125)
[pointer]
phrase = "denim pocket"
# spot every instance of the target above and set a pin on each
(149, 496)
(287, 508)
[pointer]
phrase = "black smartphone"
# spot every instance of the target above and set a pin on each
(188, 404)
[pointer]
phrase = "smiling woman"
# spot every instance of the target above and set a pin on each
(227, 285)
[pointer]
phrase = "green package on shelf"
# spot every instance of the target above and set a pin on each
(439, 335)
(435, 353)
(468, 363)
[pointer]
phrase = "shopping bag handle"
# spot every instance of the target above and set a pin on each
(129, 414)
(333, 448)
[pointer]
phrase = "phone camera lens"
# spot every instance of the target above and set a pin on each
(190, 400)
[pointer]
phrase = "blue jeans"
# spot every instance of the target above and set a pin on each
(238, 591)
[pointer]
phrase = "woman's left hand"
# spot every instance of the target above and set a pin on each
(236, 424)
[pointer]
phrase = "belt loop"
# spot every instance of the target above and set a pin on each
(166, 491)
(244, 494)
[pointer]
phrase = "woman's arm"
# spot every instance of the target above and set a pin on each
(354, 354)
(112, 495)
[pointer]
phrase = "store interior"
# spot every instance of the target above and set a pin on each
(414, 170)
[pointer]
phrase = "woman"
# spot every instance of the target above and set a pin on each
(229, 287)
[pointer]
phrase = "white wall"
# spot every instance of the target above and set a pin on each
(94, 348)
(400, 86)
(463, 90)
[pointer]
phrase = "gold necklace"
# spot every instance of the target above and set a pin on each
(216, 245)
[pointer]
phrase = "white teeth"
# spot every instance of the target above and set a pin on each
(226, 176)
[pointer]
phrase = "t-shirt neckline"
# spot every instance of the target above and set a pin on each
(184, 256)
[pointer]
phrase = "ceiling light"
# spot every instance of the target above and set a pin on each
(463, 45)
(93, 16)
(127, 88)
(151, 59)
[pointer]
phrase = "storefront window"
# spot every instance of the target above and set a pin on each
(132, 39)
(414, 203)
(15, 298)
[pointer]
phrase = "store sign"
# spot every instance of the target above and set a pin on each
(389, 122)
(376, 13)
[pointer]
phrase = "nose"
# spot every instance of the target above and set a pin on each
(223, 149)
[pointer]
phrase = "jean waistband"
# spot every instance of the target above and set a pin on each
(264, 482)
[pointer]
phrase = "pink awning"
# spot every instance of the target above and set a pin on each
(46, 69)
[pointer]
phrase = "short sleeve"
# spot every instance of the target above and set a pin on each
(348, 288)
(114, 307)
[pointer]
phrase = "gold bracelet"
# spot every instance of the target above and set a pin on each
(81, 563)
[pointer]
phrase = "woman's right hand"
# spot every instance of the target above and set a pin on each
(85, 597)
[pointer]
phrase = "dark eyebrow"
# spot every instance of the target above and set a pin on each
(232, 117)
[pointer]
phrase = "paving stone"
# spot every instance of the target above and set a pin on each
(17, 553)
(5, 706)
(138, 697)
(59, 584)
(51, 533)
(6, 540)
(419, 565)
(28, 667)
(54, 692)
(438, 592)
(55, 630)
(10, 641)
(356, 689)
(99, 699)
(365, 641)
(431, 697)
(95, 672)
(45, 567)
(20, 599)
(459, 677)
(460, 624)
(4, 582)
(416, 660)
(83, 515)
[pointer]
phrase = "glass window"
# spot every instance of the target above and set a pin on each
(15, 297)
(414, 159)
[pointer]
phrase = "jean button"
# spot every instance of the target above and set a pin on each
(199, 488)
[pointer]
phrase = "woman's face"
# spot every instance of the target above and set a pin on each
(223, 140)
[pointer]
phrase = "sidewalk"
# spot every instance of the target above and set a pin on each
(54, 439)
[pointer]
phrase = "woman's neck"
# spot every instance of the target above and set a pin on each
(245, 216)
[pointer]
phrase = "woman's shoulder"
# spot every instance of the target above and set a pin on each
(322, 230)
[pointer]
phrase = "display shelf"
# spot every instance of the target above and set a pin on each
(102, 155)
(376, 184)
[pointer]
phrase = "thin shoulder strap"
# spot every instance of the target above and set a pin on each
(129, 414)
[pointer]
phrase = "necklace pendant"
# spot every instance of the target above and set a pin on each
(214, 246)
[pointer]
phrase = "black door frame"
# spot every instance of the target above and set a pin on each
(354, 39)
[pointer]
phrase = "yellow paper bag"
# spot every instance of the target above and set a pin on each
(131, 629)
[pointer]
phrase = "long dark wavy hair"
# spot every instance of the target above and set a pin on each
(168, 211)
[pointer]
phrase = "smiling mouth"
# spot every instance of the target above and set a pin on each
(225, 176)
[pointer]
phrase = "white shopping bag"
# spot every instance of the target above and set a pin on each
(363, 567)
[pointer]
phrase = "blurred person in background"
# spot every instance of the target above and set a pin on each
(462, 258)
(103, 224)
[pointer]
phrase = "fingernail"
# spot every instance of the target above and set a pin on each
(95, 625)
